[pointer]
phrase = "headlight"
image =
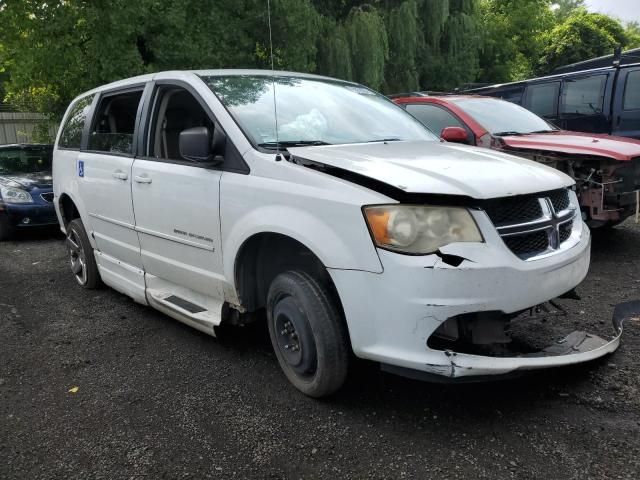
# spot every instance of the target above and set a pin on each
(15, 195)
(420, 230)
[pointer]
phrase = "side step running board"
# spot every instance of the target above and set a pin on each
(184, 311)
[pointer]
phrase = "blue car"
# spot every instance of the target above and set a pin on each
(26, 188)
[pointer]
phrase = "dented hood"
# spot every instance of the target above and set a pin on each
(439, 168)
(576, 143)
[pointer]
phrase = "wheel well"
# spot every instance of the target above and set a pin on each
(263, 256)
(68, 209)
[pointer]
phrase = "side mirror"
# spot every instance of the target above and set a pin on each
(454, 135)
(197, 145)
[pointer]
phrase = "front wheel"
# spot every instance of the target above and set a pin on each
(308, 333)
(83, 263)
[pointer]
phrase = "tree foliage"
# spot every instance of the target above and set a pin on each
(581, 36)
(52, 50)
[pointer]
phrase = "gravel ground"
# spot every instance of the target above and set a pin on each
(157, 399)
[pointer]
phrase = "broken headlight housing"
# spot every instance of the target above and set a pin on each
(420, 230)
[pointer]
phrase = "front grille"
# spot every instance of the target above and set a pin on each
(47, 197)
(529, 244)
(565, 231)
(511, 211)
(559, 199)
(533, 224)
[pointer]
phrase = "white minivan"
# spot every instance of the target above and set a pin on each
(220, 195)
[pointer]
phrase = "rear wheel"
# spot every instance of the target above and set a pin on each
(6, 230)
(308, 333)
(81, 259)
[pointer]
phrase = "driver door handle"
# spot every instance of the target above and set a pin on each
(120, 175)
(142, 178)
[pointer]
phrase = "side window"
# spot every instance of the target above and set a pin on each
(583, 96)
(71, 135)
(174, 111)
(114, 123)
(435, 118)
(632, 91)
(511, 94)
(542, 99)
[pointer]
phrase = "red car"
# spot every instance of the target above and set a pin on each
(606, 168)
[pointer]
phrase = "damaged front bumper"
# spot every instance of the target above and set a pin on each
(577, 347)
(393, 315)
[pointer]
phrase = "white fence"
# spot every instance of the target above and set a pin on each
(18, 127)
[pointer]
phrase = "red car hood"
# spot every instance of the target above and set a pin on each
(617, 148)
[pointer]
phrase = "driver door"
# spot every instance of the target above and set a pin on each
(176, 206)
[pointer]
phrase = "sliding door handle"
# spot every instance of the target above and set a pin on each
(120, 175)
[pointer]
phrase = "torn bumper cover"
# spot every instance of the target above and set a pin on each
(393, 315)
(577, 347)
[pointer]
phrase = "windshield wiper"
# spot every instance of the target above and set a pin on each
(392, 139)
(292, 143)
(549, 130)
(507, 134)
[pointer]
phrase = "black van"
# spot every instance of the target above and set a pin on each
(583, 97)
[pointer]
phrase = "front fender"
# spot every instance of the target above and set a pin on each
(347, 252)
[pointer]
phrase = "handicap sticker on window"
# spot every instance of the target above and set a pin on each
(81, 168)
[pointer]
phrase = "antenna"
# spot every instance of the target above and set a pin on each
(273, 80)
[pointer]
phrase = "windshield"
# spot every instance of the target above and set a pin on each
(312, 111)
(503, 118)
(25, 159)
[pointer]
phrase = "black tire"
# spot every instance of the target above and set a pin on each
(81, 258)
(302, 314)
(7, 231)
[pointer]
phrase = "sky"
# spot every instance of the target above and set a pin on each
(626, 10)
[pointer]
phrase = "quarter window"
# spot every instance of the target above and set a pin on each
(71, 135)
(543, 99)
(632, 91)
(434, 118)
(584, 96)
(115, 123)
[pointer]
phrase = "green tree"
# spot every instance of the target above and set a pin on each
(581, 36)
(334, 50)
(632, 32)
(404, 40)
(513, 36)
(564, 8)
(369, 45)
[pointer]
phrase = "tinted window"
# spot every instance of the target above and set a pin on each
(511, 94)
(632, 91)
(435, 118)
(32, 159)
(543, 99)
(71, 135)
(115, 123)
(312, 110)
(500, 117)
(583, 96)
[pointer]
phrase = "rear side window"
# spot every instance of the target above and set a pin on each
(543, 98)
(115, 122)
(71, 135)
(435, 118)
(632, 91)
(584, 96)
